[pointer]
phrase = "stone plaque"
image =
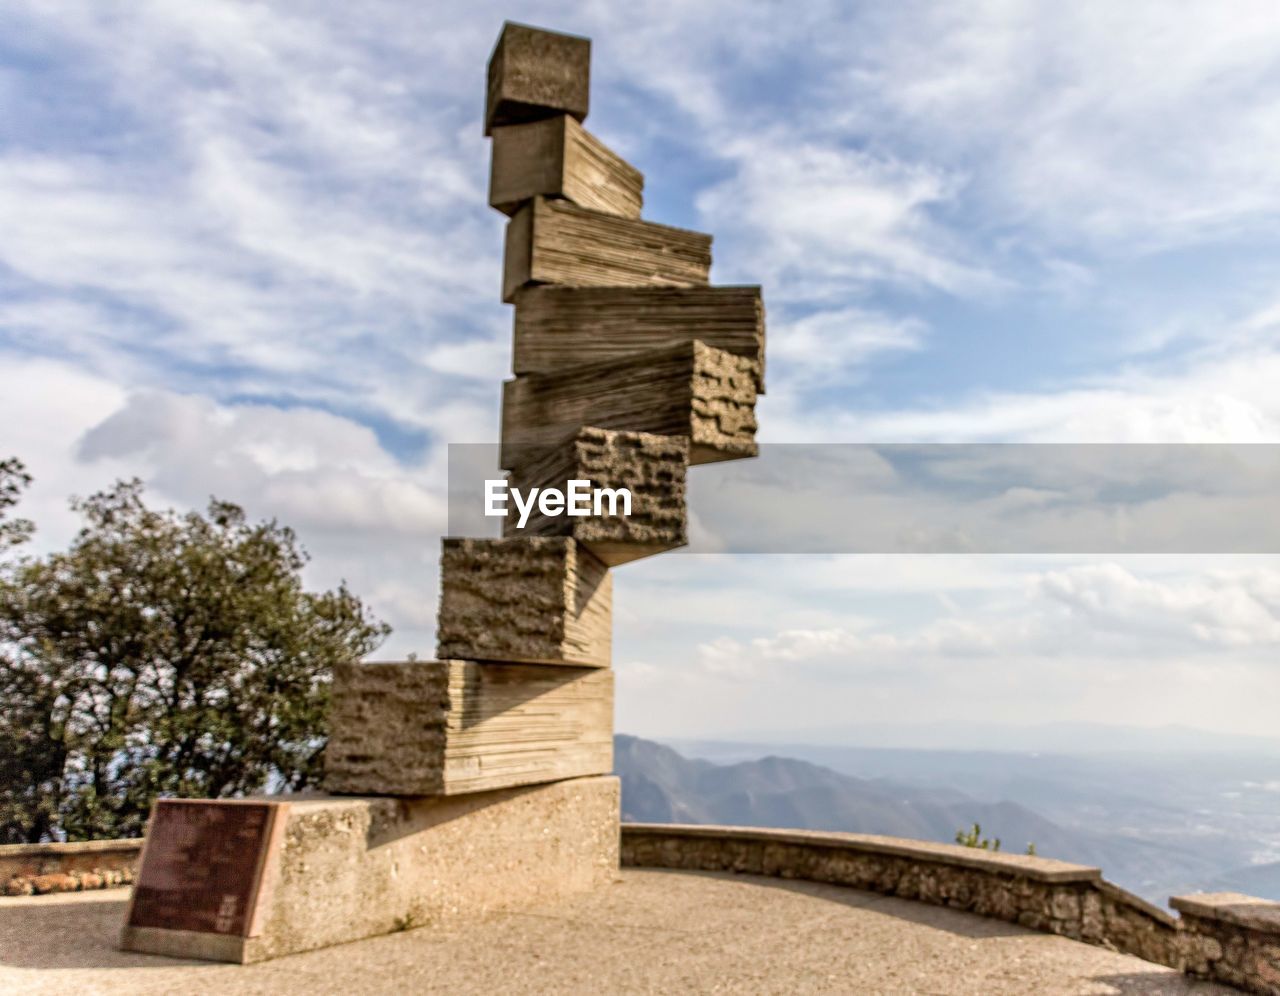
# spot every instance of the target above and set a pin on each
(204, 865)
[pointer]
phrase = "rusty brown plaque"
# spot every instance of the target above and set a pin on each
(203, 865)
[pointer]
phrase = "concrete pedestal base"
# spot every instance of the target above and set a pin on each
(347, 868)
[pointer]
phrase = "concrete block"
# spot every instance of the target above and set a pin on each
(559, 158)
(346, 868)
(450, 727)
(555, 242)
(530, 600)
(557, 327)
(650, 467)
(535, 74)
(691, 390)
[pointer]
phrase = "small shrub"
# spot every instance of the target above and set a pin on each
(973, 838)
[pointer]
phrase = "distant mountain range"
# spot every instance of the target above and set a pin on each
(1073, 738)
(659, 785)
(1262, 881)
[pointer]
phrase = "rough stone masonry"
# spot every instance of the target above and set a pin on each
(479, 781)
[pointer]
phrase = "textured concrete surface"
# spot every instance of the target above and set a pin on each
(555, 327)
(556, 242)
(524, 599)
(706, 395)
(448, 727)
(559, 158)
(650, 467)
(349, 867)
(653, 932)
(534, 74)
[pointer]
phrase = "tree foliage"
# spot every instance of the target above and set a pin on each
(163, 653)
(13, 480)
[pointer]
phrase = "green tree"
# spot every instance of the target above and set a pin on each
(164, 653)
(30, 759)
(13, 481)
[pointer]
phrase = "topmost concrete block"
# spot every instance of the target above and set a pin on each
(535, 74)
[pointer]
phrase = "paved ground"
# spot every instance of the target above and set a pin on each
(654, 932)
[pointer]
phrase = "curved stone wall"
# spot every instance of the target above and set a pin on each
(1040, 893)
(86, 864)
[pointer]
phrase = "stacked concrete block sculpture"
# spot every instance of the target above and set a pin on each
(479, 781)
(451, 727)
(535, 75)
(557, 157)
(629, 369)
(551, 241)
(649, 467)
(533, 600)
(556, 326)
(705, 395)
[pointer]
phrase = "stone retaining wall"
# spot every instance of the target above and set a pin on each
(1234, 940)
(90, 864)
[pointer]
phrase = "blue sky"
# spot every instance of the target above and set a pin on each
(245, 250)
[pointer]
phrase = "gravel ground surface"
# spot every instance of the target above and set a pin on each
(652, 932)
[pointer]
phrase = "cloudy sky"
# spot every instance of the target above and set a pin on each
(245, 251)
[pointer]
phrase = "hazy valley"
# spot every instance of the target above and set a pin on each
(1157, 823)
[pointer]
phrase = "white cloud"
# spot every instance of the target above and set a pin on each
(819, 222)
(1220, 610)
(1141, 123)
(1111, 611)
(44, 407)
(835, 346)
(309, 467)
(1216, 400)
(1159, 640)
(847, 647)
(270, 196)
